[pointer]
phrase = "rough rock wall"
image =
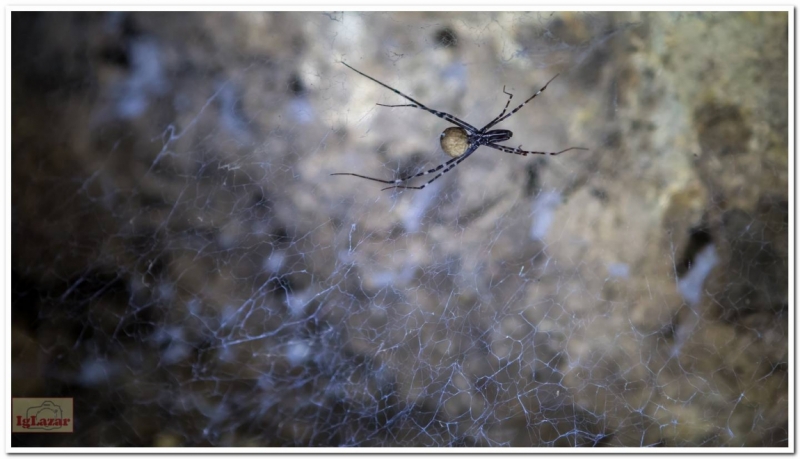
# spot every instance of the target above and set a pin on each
(187, 269)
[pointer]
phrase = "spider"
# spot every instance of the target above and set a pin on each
(461, 141)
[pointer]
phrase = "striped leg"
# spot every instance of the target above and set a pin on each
(494, 121)
(521, 152)
(445, 116)
(405, 179)
(502, 118)
(450, 165)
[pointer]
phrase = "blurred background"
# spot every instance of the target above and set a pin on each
(185, 267)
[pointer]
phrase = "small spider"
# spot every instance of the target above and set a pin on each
(459, 142)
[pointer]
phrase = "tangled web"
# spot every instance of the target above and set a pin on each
(185, 267)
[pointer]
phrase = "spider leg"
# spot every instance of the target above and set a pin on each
(445, 116)
(450, 165)
(401, 105)
(521, 152)
(364, 177)
(404, 179)
(494, 121)
(501, 118)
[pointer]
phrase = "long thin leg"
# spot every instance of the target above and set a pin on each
(404, 179)
(449, 167)
(521, 152)
(396, 183)
(400, 105)
(510, 96)
(503, 118)
(442, 115)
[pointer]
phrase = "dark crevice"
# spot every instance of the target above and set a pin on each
(699, 238)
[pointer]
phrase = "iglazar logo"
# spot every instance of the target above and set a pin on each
(47, 416)
(42, 415)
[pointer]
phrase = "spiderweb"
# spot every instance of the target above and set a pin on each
(186, 269)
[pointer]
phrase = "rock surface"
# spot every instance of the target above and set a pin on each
(187, 269)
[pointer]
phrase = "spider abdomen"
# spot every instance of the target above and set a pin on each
(455, 141)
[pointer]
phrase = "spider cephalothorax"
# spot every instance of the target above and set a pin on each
(461, 141)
